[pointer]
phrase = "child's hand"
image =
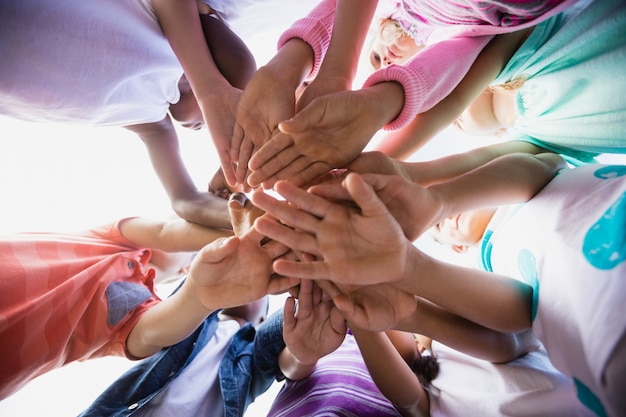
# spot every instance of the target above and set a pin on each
(266, 101)
(218, 110)
(375, 308)
(313, 329)
(365, 246)
(319, 87)
(220, 187)
(329, 133)
(235, 271)
(415, 208)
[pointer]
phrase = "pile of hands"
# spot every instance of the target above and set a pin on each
(340, 246)
(339, 238)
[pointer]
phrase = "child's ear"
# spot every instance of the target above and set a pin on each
(459, 248)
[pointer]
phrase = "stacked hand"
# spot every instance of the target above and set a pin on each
(314, 328)
(328, 133)
(266, 101)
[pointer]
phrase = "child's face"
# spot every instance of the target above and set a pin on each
(391, 46)
(463, 230)
(186, 111)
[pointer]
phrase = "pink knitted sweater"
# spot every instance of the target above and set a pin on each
(454, 34)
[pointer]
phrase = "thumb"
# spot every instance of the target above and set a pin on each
(219, 249)
(364, 196)
(303, 120)
(337, 321)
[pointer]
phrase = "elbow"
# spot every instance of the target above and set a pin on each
(551, 162)
(515, 345)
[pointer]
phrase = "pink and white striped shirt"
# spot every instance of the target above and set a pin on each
(67, 297)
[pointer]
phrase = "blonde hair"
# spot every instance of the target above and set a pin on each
(394, 27)
(511, 85)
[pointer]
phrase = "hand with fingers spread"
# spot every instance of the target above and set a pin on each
(329, 133)
(237, 269)
(261, 108)
(415, 208)
(363, 245)
(312, 329)
(268, 99)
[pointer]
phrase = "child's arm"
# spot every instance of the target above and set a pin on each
(270, 97)
(226, 273)
(508, 179)
(466, 336)
(401, 144)
(310, 332)
(351, 23)
(427, 173)
(391, 374)
(161, 142)
(367, 246)
(172, 235)
(181, 24)
(380, 307)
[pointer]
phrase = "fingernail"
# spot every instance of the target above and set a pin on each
(241, 198)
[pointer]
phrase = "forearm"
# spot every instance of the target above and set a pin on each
(292, 63)
(161, 141)
(403, 143)
(391, 374)
(435, 171)
(231, 55)
(292, 368)
(387, 98)
(315, 31)
(189, 203)
(351, 24)
(491, 300)
(174, 235)
(167, 323)
(467, 336)
(508, 179)
(180, 22)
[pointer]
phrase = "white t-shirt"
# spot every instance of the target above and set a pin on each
(82, 62)
(196, 391)
(568, 243)
(529, 386)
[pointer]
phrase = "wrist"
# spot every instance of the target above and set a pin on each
(210, 88)
(192, 303)
(292, 367)
(387, 98)
(412, 268)
(439, 203)
(292, 64)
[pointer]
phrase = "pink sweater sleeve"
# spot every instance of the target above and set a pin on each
(315, 29)
(431, 75)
